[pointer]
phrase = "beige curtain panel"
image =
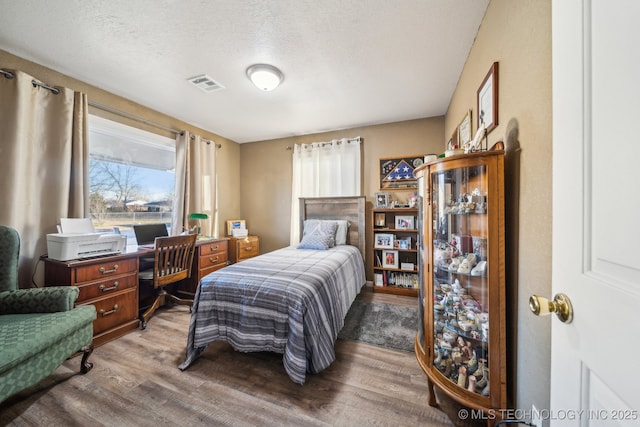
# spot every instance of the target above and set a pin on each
(195, 188)
(44, 162)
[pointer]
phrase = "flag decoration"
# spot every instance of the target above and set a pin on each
(398, 172)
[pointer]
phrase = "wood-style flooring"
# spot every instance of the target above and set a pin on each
(135, 382)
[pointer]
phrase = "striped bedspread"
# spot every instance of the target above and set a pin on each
(290, 301)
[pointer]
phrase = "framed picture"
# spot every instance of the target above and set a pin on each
(403, 244)
(404, 222)
(464, 130)
(397, 173)
(233, 224)
(380, 220)
(390, 259)
(382, 200)
(384, 241)
(488, 100)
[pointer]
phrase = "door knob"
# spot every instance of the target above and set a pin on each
(561, 306)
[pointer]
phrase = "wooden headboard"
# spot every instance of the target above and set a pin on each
(347, 208)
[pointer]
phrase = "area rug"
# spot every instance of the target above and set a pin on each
(384, 325)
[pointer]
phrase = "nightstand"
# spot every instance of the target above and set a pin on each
(241, 248)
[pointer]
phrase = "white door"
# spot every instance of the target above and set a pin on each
(595, 378)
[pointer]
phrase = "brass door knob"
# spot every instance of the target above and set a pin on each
(561, 306)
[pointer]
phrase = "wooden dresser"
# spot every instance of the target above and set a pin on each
(211, 255)
(109, 283)
(241, 248)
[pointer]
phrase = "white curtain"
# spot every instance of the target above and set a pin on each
(44, 162)
(323, 169)
(195, 189)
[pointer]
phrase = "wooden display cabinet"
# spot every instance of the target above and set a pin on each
(395, 250)
(461, 342)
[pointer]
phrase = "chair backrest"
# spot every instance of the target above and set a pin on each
(9, 254)
(173, 257)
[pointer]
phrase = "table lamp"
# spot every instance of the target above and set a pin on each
(197, 217)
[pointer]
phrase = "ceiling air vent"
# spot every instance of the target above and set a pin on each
(205, 83)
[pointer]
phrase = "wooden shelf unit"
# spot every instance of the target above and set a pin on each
(395, 279)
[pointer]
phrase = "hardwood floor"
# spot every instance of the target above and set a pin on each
(136, 382)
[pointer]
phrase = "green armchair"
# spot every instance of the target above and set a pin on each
(39, 327)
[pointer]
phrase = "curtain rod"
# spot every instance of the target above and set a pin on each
(53, 89)
(141, 120)
(357, 138)
(132, 117)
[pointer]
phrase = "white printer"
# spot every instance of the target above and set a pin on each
(77, 239)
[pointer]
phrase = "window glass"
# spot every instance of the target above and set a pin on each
(131, 177)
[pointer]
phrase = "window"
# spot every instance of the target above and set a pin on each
(131, 177)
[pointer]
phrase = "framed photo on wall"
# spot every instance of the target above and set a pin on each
(487, 100)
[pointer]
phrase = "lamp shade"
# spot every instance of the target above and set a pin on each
(265, 77)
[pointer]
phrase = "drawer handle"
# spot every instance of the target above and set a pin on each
(213, 259)
(248, 248)
(113, 270)
(104, 313)
(103, 288)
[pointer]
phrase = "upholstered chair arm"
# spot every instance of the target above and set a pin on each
(38, 300)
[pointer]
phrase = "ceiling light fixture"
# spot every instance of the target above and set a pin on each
(265, 77)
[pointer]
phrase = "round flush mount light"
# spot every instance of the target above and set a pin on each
(266, 77)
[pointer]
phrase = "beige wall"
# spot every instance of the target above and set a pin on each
(265, 191)
(517, 34)
(228, 156)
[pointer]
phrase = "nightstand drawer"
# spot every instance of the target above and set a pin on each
(241, 248)
(105, 270)
(248, 248)
(115, 310)
(106, 287)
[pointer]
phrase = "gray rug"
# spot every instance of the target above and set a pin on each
(384, 325)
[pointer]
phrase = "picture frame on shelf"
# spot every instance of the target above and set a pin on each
(390, 259)
(382, 200)
(487, 100)
(397, 172)
(234, 224)
(404, 222)
(403, 244)
(379, 220)
(383, 241)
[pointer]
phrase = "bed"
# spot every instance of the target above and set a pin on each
(291, 301)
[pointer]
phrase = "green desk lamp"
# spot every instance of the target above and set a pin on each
(197, 217)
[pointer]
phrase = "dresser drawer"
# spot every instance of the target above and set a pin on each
(105, 287)
(248, 248)
(213, 248)
(115, 310)
(207, 261)
(105, 270)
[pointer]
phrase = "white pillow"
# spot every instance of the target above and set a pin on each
(341, 232)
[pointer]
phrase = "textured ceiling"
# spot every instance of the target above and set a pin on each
(347, 63)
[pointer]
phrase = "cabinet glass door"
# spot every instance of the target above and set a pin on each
(460, 282)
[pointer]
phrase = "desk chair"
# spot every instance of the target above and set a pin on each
(173, 257)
